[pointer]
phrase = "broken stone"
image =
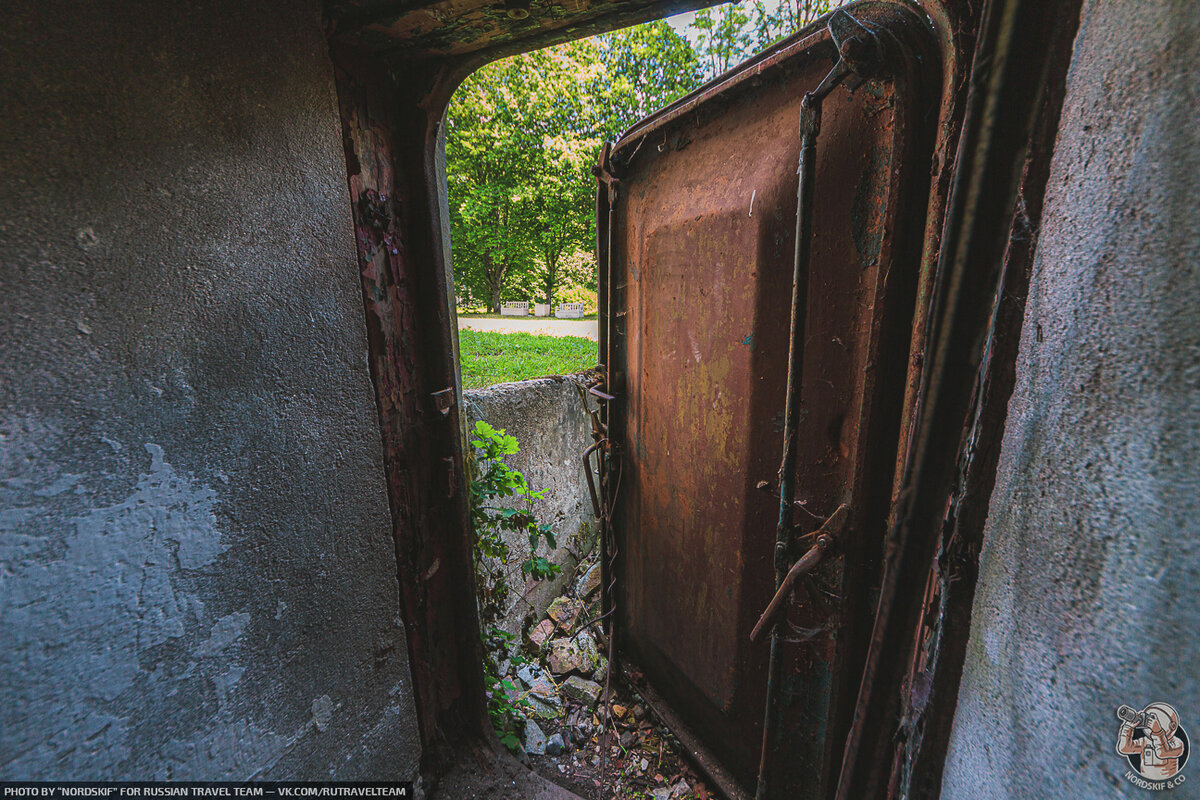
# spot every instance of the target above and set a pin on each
(545, 690)
(581, 689)
(535, 739)
(543, 696)
(591, 650)
(555, 745)
(588, 583)
(564, 610)
(626, 740)
(639, 711)
(531, 674)
(619, 709)
(541, 632)
(564, 656)
(600, 673)
(643, 765)
(577, 654)
(670, 792)
(543, 709)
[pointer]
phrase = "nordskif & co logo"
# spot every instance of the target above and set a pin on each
(1154, 744)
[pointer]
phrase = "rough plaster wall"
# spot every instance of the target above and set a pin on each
(195, 558)
(548, 419)
(1092, 556)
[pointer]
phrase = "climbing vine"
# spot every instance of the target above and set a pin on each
(494, 480)
(506, 702)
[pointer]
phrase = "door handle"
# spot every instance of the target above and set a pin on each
(825, 539)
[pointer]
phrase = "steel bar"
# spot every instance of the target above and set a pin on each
(587, 472)
(810, 127)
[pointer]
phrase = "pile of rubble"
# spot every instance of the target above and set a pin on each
(604, 749)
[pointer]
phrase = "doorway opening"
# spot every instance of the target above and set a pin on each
(522, 136)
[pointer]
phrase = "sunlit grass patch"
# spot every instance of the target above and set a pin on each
(489, 358)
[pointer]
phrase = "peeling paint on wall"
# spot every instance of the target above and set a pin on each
(84, 621)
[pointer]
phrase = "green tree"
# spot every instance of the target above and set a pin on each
(488, 177)
(798, 13)
(730, 33)
(522, 136)
(646, 68)
(723, 37)
(562, 186)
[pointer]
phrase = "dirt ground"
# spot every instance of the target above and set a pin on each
(643, 759)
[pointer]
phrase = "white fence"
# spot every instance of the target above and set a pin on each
(569, 311)
(515, 309)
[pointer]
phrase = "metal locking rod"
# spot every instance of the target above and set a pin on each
(858, 53)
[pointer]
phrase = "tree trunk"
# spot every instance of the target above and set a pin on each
(551, 279)
(495, 285)
(495, 281)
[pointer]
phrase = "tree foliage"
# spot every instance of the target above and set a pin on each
(728, 34)
(647, 67)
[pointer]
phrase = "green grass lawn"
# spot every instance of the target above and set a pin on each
(489, 358)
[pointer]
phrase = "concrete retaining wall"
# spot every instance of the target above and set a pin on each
(548, 418)
(1087, 592)
(198, 579)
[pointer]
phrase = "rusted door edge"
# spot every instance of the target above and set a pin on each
(930, 690)
(1011, 64)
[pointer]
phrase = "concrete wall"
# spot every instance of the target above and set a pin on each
(195, 554)
(549, 420)
(1087, 596)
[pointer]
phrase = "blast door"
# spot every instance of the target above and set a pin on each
(697, 220)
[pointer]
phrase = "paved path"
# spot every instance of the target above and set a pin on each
(549, 326)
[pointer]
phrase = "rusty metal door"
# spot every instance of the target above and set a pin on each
(697, 219)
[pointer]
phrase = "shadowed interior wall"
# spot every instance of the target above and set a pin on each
(195, 551)
(1086, 596)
